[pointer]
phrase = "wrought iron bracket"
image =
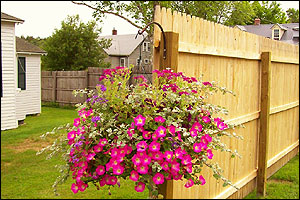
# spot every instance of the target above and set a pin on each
(140, 32)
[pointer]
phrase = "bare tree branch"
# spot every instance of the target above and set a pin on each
(109, 12)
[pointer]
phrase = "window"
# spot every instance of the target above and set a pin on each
(122, 62)
(22, 73)
(146, 61)
(137, 61)
(276, 34)
(146, 46)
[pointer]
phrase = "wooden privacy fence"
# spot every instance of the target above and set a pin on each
(57, 86)
(264, 75)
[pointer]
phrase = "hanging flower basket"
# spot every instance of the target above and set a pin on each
(149, 133)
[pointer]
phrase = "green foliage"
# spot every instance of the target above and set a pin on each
(293, 15)
(268, 13)
(36, 41)
(75, 46)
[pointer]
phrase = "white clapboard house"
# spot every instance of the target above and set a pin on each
(20, 75)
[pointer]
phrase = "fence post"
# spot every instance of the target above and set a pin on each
(264, 123)
(54, 79)
(171, 61)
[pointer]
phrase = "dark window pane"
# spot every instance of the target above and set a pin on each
(22, 73)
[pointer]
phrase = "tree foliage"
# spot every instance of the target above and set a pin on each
(75, 46)
(293, 15)
(36, 41)
(140, 13)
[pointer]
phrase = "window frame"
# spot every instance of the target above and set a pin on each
(21, 72)
(137, 61)
(123, 58)
(276, 37)
(146, 46)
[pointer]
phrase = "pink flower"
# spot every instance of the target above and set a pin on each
(189, 184)
(165, 166)
(172, 129)
(189, 168)
(103, 142)
(98, 148)
(222, 126)
(206, 139)
(207, 83)
(154, 136)
(141, 146)
(157, 155)
(146, 135)
(197, 147)
(102, 182)
(179, 153)
(136, 160)
(217, 120)
(118, 170)
(209, 154)
(112, 180)
(76, 122)
(186, 159)
(175, 166)
(128, 149)
(74, 188)
(177, 176)
(90, 156)
(206, 119)
(140, 187)
(71, 135)
(154, 146)
(130, 132)
(158, 178)
(197, 126)
(168, 155)
(139, 120)
(202, 180)
(81, 186)
(159, 119)
(134, 175)
(142, 169)
(146, 160)
(161, 131)
(179, 137)
(114, 152)
(100, 170)
(193, 132)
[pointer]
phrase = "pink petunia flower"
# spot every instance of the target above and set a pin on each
(154, 146)
(141, 146)
(114, 152)
(159, 119)
(193, 132)
(134, 175)
(197, 147)
(168, 155)
(113, 180)
(76, 122)
(158, 178)
(146, 160)
(90, 156)
(146, 135)
(140, 187)
(128, 149)
(207, 83)
(100, 170)
(81, 186)
(161, 131)
(136, 160)
(154, 136)
(172, 129)
(189, 184)
(157, 155)
(197, 126)
(186, 159)
(98, 148)
(130, 132)
(74, 188)
(103, 142)
(209, 154)
(165, 166)
(118, 170)
(206, 119)
(179, 152)
(189, 168)
(202, 180)
(139, 120)
(175, 166)
(142, 169)
(222, 126)
(71, 135)
(177, 176)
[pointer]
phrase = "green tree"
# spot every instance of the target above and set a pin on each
(293, 15)
(268, 13)
(242, 13)
(36, 41)
(75, 46)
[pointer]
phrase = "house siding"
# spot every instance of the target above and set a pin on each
(8, 100)
(28, 101)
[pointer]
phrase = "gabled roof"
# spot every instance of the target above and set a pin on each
(26, 47)
(123, 45)
(266, 31)
(9, 18)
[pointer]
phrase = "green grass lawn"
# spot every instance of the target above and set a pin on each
(28, 176)
(25, 175)
(284, 184)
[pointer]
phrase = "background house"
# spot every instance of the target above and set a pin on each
(125, 50)
(20, 75)
(283, 32)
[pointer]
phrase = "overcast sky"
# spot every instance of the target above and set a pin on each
(42, 17)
